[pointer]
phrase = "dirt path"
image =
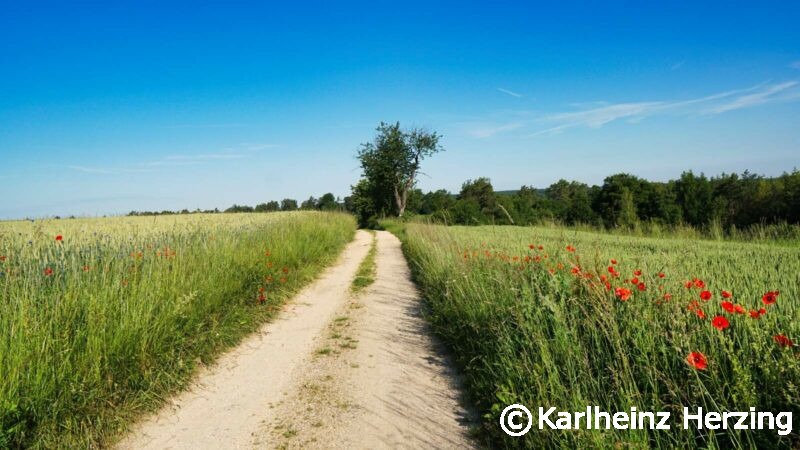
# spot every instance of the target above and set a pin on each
(386, 382)
(334, 371)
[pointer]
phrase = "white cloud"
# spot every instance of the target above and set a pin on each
(772, 93)
(485, 131)
(511, 93)
(596, 115)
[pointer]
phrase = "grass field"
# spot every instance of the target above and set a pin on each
(544, 317)
(101, 318)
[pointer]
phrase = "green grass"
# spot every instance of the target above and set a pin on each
(365, 275)
(103, 325)
(535, 333)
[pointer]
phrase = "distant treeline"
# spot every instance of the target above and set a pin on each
(623, 200)
(327, 202)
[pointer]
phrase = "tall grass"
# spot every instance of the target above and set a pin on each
(102, 324)
(526, 329)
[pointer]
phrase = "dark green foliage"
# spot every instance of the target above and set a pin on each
(727, 202)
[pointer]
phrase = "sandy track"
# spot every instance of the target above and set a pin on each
(333, 371)
(229, 401)
(387, 383)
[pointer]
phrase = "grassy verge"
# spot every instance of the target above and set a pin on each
(539, 326)
(101, 319)
(365, 275)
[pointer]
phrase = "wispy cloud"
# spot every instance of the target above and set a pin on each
(773, 93)
(485, 131)
(241, 151)
(677, 65)
(600, 114)
(511, 93)
(108, 171)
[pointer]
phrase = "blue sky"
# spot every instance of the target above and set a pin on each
(107, 108)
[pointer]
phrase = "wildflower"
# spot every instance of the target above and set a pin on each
(705, 295)
(688, 284)
(661, 275)
(637, 272)
(726, 294)
(667, 296)
(613, 261)
(2, 258)
(720, 323)
(285, 270)
(783, 341)
(571, 249)
(59, 238)
(541, 247)
(754, 315)
(770, 297)
(86, 268)
(728, 306)
(700, 313)
(641, 286)
(531, 246)
(48, 271)
(611, 269)
(762, 311)
(622, 293)
(634, 280)
(738, 309)
(262, 298)
(697, 360)
(699, 283)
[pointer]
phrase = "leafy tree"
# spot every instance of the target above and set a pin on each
(328, 202)
(309, 204)
(288, 204)
(391, 163)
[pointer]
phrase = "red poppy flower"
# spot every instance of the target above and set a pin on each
(699, 283)
(783, 341)
(667, 296)
(688, 284)
(285, 270)
(700, 313)
(637, 272)
(697, 360)
(622, 293)
(705, 295)
(531, 246)
(762, 312)
(739, 309)
(641, 286)
(59, 238)
(611, 269)
(634, 280)
(86, 268)
(262, 298)
(571, 249)
(720, 323)
(728, 306)
(754, 314)
(613, 261)
(726, 294)
(661, 275)
(48, 271)
(541, 247)
(770, 297)
(2, 258)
